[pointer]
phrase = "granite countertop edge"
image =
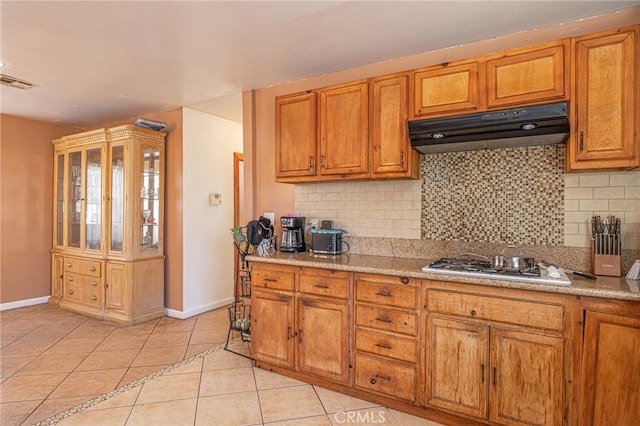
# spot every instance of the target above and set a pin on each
(604, 287)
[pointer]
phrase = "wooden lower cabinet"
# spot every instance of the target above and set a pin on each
(610, 377)
(451, 352)
(322, 338)
(272, 333)
(301, 331)
(496, 355)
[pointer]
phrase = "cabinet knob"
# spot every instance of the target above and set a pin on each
(70, 292)
(473, 312)
(68, 265)
(404, 280)
(92, 268)
(94, 283)
(94, 297)
(70, 278)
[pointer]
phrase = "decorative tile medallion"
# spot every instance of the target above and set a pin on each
(510, 196)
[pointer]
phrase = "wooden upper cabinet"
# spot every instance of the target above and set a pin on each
(343, 129)
(296, 135)
(390, 149)
(444, 89)
(528, 75)
(605, 111)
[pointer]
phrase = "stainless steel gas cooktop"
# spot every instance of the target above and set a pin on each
(484, 269)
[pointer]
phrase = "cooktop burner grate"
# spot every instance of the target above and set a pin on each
(484, 269)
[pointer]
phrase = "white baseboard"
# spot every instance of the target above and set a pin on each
(23, 303)
(191, 312)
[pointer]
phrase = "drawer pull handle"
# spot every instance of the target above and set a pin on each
(92, 268)
(322, 286)
(473, 312)
(495, 376)
(383, 346)
(374, 379)
(482, 369)
(288, 333)
(69, 265)
(94, 283)
(94, 297)
(70, 292)
(385, 320)
(384, 293)
(270, 280)
(71, 278)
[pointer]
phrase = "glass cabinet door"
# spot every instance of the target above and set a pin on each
(150, 197)
(59, 213)
(93, 214)
(74, 197)
(117, 197)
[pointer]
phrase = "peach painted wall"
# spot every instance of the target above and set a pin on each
(272, 196)
(26, 203)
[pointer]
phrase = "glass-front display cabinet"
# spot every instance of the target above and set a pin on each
(108, 254)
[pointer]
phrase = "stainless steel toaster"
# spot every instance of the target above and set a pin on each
(327, 241)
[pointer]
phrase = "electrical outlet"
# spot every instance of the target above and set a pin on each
(271, 216)
(313, 223)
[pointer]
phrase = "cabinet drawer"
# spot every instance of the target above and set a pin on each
(386, 319)
(277, 278)
(388, 345)
(387, 292)
(325, 283)
(83, 266)
(84, 289)
(520, 312)
(387, 377)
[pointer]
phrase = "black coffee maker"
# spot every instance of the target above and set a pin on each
(292, 234)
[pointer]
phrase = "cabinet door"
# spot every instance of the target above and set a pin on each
(116, 286)
(58, 190)
(323, 339)
(344, 126)
(446, 89)
(457, 366)
(116, 207)
(296, 135)
(528, 76)
(57, 278)
(605, 109)
(272, 332)
(391, 153)
(527, 380)
(149, 235)
(611, 383)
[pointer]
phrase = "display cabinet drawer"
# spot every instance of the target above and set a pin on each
(513, 311)
(275, 277)
(83, 266)
(398, 321)
(325, 282)
(389, 292)
(82, 292)
(386, 377)
(387, 345)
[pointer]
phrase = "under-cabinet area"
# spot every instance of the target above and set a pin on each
(449, 351)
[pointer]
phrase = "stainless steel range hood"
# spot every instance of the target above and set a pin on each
(534, 125)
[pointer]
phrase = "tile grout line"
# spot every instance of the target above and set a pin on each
(79, 408)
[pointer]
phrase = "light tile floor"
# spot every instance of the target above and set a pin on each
(65, 369)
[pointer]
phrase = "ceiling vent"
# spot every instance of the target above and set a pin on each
(7, 80)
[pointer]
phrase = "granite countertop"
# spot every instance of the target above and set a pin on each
(605, 287)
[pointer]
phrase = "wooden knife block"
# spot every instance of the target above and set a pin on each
(605, 264)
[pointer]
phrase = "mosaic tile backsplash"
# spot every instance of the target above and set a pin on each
(510, 196)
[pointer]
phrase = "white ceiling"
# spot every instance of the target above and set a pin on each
(95, 62)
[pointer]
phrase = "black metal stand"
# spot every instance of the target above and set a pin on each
(240, 311)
